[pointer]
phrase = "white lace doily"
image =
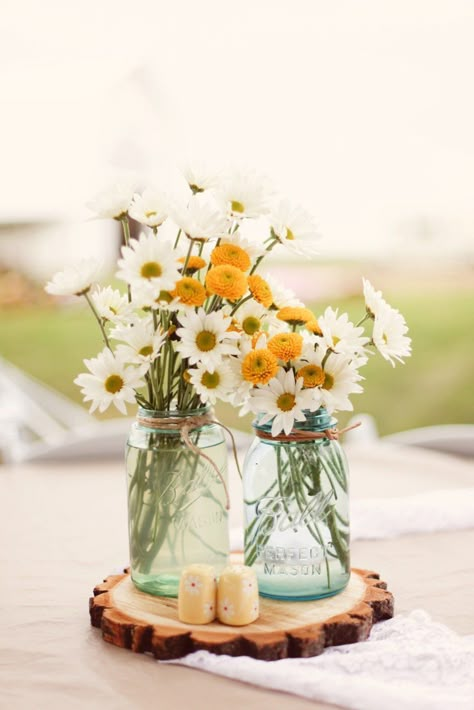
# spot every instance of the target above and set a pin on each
(410, 663)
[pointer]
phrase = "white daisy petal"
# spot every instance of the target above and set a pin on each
(294, 228)
(111, 382)
(114, 201)
(74, 280)
(151, 261)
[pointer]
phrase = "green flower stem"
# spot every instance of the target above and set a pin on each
(126, 238)
(240, 303)
(98, 319)
(367, 316)
(188, 255)
(302, 505)
(259, 260)
(126, 230)
(180, 231)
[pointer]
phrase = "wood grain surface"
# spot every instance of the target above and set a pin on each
(143, 623)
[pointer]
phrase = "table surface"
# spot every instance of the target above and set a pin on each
(63, 529)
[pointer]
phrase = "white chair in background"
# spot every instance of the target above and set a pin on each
(38, 423)
(454, 439)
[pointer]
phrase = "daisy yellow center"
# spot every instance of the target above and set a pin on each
(259, 366)
(295, 315)
(146, 350)
(113, 384)
(150, 213)
(211, 380)
(286, 402)
(286, 346)
(226, 281)
(196, 188)
(260, 290)
(251, 325)
(385, 338)
(328, 381)
(237, 206)
(289, 234)
(190, 291)
(231, 254)
(206, 341)
(335, 340)
(165, 297)
(151, 270)
(113, 310)
(313, 375)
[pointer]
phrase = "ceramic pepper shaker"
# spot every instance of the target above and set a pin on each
(197, 594)
(237, 596)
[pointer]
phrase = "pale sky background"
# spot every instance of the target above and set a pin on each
(360, 110)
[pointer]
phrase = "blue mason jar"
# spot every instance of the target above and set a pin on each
(297, 511)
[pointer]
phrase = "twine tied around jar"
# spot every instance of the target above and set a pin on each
(300, 435)
(185, 425)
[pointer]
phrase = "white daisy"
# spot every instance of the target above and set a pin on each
(389, 335)
(340, 335)
(374, 302)
(111, 305)
(200, 218)
(149, 260)
(114, 201)
(294, 228)
(282, 296)
(146, 295)
(200, 177)
(204, 338)
(192, 584)
(150, 208)
(74, 280)
(282, 400)
(215, 385)
(226, 609)
(244, 195)
(251, 317)
(110, 382)
(341, 379)
(142, 343)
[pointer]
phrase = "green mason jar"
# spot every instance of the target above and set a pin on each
(297, 511)
(176, 497)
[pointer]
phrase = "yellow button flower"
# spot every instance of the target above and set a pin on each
(231, 254)
(295, 315)
(313, 376)
(259, 366)
(190, 291)
(226, 281)
(260, 290)
(286, 346)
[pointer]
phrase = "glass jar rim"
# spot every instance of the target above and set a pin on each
(320, 420)
(173, 413)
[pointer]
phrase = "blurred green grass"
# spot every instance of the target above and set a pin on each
(435, 386)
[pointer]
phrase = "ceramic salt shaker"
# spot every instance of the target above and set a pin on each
(237, 596)
(197, 594)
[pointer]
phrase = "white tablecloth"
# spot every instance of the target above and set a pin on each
(63, 529)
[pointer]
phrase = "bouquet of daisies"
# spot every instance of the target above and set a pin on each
(197, 321)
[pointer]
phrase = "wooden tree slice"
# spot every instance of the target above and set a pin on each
(147, 624)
